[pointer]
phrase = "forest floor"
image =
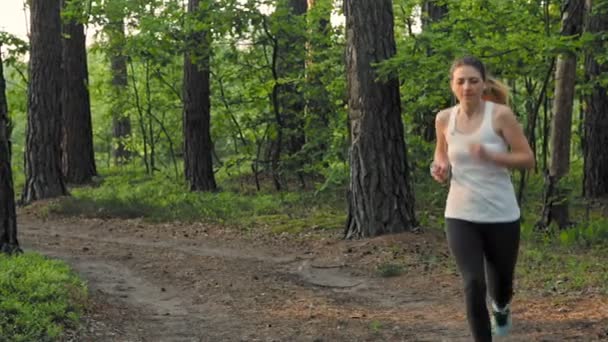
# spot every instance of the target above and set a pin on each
(203, 282)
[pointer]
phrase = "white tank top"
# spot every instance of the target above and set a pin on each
(480, 191)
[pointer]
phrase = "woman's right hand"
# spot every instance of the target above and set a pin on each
(440, 171)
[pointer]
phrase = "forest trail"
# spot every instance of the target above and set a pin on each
(197, 282)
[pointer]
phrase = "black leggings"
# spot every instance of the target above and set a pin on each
(495, 243)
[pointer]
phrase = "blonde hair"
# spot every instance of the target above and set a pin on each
(496, 91)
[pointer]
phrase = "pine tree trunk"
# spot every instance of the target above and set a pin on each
(198, 148)
(381, 199)
(78, 162)
(121, 123)
(8, 217)
(556, 196)
(318, 103)
(43, 152)
(596, 115)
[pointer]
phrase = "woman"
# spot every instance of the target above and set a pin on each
(478, 141)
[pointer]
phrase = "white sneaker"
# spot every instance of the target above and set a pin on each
(501, 320)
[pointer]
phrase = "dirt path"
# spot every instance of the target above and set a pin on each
(203, 283)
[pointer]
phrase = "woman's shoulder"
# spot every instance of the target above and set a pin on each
(501, 110)
(443, 115)
(503, 116)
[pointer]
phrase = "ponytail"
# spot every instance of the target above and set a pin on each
(496, 91)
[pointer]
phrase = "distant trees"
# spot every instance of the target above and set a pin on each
(293, 98)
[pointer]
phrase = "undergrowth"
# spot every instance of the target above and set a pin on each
(159, 198)
(39, 298)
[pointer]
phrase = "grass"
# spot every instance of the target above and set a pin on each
(555, 269)
(159, 198)
(387, 270)
(561, 261)
(39, 298)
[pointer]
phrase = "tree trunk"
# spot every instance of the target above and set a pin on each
(198, 162)
(432, 11)
(380, 198)
(596, 116)
(556, 197)
(78, 162)
(318, 103)
(288, 98)
(43, 152)
(121, 123)
(533, 110)
(8, 216)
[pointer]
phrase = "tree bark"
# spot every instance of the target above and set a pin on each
(121, 123)
(78, 162)
(8, 216)
(43, 152)
(595, 183)
(198, 148)
(556, 197)
(380, 197)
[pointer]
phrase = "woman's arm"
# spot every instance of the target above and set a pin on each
(441, 164)
(520, 156)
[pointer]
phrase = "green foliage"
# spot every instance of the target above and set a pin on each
(16, 94)
(514, 39)
(14, 46)
(375, 326)
(39, 298)
(587, 234)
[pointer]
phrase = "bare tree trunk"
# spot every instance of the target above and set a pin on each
(43, 152)
(556, 197)
(596, 116)
(8, 216)
(380, 196)
(198, 162)
(78, 158)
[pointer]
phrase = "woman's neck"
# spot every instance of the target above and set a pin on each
(471, 109)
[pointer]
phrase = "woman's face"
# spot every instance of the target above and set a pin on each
(467, 84)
